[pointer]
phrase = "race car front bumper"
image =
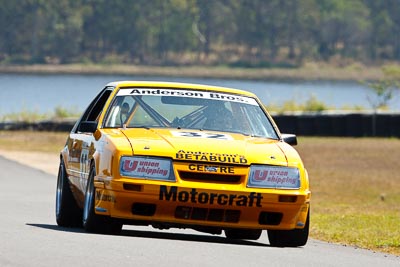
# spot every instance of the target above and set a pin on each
(250, 208)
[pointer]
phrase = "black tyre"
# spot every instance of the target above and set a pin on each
(290, 238)
(92, 222)
(249, 234)
(68, 214)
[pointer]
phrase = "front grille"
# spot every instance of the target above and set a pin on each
(203, 214)
(209, 177)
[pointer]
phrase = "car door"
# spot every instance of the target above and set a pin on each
(81, 143)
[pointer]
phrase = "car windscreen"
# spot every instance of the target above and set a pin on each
(188, 109)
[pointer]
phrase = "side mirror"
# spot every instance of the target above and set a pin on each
(87, 126)
(291, 139)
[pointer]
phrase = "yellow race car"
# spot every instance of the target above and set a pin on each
(182, 155)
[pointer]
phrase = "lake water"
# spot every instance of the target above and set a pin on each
(42, 93)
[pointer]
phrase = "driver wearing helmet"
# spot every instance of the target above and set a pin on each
(218, 117)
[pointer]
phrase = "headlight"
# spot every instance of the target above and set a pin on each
(147, 168)
(273, 177)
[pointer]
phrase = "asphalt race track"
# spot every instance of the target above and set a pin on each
(29, 236)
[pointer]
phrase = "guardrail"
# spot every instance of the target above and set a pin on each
(302, 124)
(48, 125)
(340, 124)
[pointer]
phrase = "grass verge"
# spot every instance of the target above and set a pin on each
(309, 71)
(51, 142)
(354, 181)
(355, 191)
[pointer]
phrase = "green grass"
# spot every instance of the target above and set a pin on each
(311, 104)
(29, 115)
(355, 191)
(372, 231)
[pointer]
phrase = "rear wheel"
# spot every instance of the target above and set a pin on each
(68, 214)
(290, 238)
(92, 222)
(249, 234)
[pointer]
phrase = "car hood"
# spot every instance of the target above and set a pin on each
(192, 145)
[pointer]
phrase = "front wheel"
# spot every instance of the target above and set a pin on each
(290, 238)
(92, 222)
(68, 214)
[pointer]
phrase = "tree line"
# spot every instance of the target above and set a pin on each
(259, 33)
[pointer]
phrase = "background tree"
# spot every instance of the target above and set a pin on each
(225, 32)
(383, 91)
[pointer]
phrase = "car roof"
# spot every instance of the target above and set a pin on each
(179, 85)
